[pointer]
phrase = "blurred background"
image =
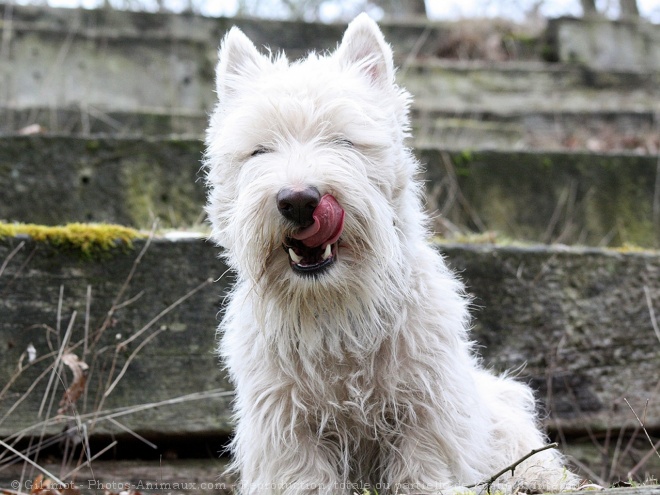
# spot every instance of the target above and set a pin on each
(342, 11)
(538, 127)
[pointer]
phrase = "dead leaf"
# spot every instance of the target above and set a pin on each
(46, 486)
(80, 369)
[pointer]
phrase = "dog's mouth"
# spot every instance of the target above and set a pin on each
(310, 260)
(314, 248)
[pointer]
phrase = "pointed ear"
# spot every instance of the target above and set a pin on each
(238, 59)
(363, 44)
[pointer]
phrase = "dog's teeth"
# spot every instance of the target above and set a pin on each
(294, 256)
(328, 252)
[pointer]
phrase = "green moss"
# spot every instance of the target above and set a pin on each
(484, 238)
(462, 162)
(92, 145)
(632, 248)
(523, 38)
(549, 53)
(154, 189)
(464, 157)
(187, 145)
(88, 239)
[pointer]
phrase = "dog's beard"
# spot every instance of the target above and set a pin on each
(323, 314)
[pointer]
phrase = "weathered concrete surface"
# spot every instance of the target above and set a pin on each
(596, 131)
(114, 81)
(88, 120)
(518, 87)
(587, 198)
(600, 43)
(602, 131)
(62, 68)
(52, 180)
(121, 61)
(294, 37)
(578, 321)
(579, 198)
(572, 317)
(179, 361)
(125, 60)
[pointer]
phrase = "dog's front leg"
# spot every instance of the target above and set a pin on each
(416, 464)
(274, 457)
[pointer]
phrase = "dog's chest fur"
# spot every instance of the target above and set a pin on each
(344, 387)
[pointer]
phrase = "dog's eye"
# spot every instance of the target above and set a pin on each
(344, 142)
(260, 150)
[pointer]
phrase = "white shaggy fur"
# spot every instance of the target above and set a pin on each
(364, 374)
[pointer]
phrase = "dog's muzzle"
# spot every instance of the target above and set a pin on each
(314, 246)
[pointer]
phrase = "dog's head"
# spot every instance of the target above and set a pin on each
(309, 178)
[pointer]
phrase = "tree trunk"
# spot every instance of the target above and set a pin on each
(629, 9)
(589, 7)
(417, 7)
(402, 10)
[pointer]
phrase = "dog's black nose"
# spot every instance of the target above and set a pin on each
(298, 205)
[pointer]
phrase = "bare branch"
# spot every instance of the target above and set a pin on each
(512, 467)
(641, 423)
(649, 303)
(10, 256)
(31, 462)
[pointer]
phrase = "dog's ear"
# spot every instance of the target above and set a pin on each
(238, 59)
(363, 44)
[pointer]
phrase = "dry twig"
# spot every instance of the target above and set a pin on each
(10, 256)
(30, 461)
(641, 423)
(489, 482)
(649, 303)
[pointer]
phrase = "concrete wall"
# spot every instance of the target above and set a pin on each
(127, 61)
(575, 323)
(535, 196)
(625, 45)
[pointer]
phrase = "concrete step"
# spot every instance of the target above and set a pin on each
(627, 44)
(125, 181)
(601, 131)
(181, 83)
(576, 198)
(121, 61)
(199, 476)
(576, 323)
(179, 477)
(77, 120)
(522, 87)
(596, 131)
(585, 198)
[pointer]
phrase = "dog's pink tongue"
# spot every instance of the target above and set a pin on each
(328, 224)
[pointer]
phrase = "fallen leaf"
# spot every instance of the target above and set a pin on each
(80, 369)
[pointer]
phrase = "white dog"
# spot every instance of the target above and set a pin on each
(346, 336)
